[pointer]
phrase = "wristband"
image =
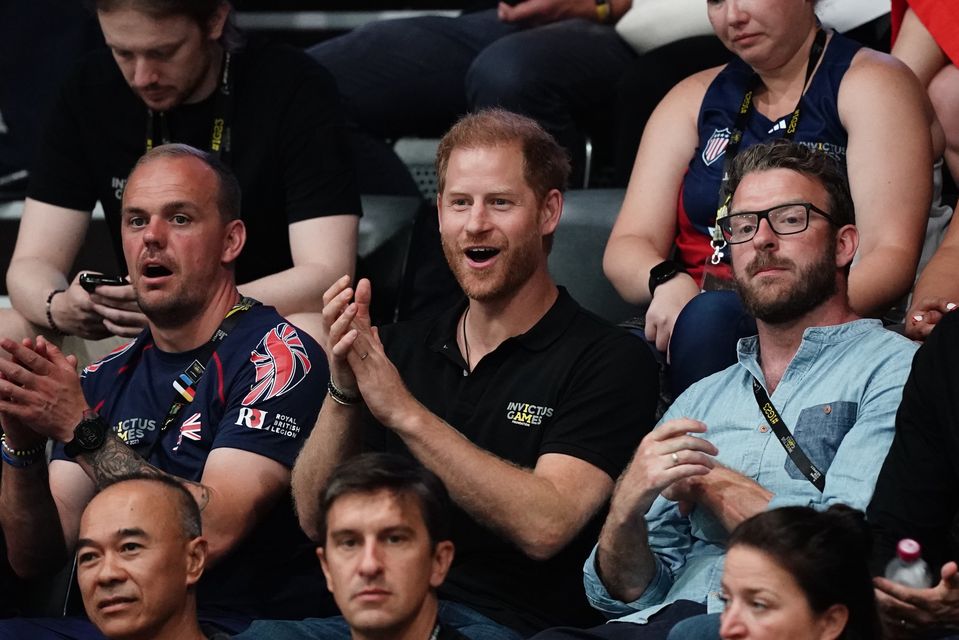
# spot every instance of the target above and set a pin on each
(20, 458)
(53, 325)
(342, 397)
(604, 11)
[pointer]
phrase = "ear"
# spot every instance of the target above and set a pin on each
(234, 238)
(214, 28)
(439, 210)
(847, 243)
(442, 559)
(551, 212)
(833, 621)
(326, 569)
(196, 551)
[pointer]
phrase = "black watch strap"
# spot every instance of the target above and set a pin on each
(663, 272)
(88, 436)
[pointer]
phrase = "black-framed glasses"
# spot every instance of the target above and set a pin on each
(783, 219)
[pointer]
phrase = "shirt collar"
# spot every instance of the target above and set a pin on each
(540, 336)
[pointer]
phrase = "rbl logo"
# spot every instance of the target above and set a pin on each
(252, 418)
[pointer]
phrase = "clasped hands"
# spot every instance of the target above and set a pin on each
(669, 461)
(40, 394)
(358, 361)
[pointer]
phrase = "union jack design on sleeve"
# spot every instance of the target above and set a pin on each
(281, 363)
(113, 355)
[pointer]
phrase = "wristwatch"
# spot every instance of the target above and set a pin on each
(88, 436)
(663, 272)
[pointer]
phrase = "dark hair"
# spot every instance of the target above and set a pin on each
(785, 154)
(228, 192)
(545, 162)
(200, 11)
(826, 553)
(187, 509)
(371, 472)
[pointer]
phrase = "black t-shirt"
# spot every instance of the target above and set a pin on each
(573, 385)
(288, 146)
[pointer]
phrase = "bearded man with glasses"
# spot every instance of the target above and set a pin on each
(805, 417)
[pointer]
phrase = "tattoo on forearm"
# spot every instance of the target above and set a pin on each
(115, 461)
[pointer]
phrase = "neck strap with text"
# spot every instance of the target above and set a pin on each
(786, 439)
(222, 115)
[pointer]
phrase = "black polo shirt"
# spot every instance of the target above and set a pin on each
(572, 384)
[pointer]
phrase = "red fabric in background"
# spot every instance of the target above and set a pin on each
(940, 17)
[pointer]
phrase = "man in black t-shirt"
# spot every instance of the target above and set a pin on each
(176, 72)
(522, 402)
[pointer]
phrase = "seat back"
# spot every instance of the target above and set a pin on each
(576, 261)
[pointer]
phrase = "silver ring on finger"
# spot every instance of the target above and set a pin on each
(675, 457)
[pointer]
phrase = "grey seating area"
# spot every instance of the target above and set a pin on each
(576, 261)
(386, 230)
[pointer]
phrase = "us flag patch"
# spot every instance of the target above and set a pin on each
(716, 146)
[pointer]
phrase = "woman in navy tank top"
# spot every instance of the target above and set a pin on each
(861, 106)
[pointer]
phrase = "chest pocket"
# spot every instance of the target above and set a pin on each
(819, 431)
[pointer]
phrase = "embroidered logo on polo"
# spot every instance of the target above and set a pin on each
(281, 363)
(190, 429)
(527, 415)
(113, 355)
(715, 147)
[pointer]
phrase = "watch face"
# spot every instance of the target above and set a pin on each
(89, 434)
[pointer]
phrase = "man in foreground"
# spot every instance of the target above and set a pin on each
(140, 555)
(817, 381)
(386, 547)
(216, 393)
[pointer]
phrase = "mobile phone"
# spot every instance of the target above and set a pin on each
(91, 281)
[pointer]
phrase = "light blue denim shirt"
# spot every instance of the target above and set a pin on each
(838, 396)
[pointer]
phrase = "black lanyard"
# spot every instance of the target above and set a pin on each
(746, 110)
(222, 113)
(796, 454)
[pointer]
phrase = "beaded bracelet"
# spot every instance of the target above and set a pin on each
(20, 458)
(342, 397)
(53, 325)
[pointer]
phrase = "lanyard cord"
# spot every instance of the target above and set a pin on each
(222, 113)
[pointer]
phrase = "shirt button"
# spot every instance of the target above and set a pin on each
(827, 409)
(763, 428)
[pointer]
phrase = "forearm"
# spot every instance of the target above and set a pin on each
(298, 289)
(30, 522)
(627, 262)
(624, 561)
(880, 279)
(29, 282)
(335, 438)
(730, 496)
(515, 502)
(938, 279)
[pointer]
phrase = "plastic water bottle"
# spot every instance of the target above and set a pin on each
(908, 568)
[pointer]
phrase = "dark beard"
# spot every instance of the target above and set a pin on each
(817, 283)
